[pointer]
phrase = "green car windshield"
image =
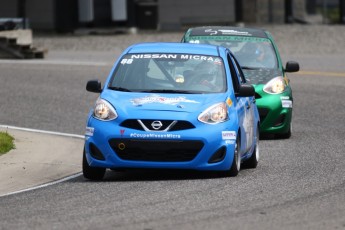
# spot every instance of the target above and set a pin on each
(251, 52)
(169, 73)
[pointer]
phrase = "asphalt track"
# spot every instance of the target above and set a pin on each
(299, 183)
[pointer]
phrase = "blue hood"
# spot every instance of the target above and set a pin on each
(140, 102)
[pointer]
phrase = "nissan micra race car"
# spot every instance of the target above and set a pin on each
(172, 106)
(259, 58)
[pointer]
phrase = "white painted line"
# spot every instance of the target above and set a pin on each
(44, 185)
(42, 131)
(56, 62)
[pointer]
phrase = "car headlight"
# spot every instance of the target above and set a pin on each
(275, 86)
(104, 111)
(215, 114)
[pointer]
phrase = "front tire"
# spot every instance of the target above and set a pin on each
(236, 162)
(252, 162)
(92, 173)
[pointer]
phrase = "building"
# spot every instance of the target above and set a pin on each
(69, 15)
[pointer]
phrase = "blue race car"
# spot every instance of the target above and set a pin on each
(172, 106)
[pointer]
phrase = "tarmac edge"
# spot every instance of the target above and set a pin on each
(53, 156)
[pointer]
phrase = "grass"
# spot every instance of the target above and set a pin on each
(6, 142)
(332, 14)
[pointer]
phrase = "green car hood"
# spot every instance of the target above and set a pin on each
(261, 76)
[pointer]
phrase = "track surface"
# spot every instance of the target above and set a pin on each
(299, 183)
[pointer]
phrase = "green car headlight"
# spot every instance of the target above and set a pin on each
(275, 86)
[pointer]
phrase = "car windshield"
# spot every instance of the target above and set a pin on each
(251, 52)
(169, 73)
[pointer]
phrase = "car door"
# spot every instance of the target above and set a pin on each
(245, 107)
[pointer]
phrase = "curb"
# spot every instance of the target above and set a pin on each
(41, 157)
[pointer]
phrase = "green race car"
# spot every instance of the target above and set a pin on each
(262, 66)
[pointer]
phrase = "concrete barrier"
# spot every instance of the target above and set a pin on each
(18, 44)
(24, 37)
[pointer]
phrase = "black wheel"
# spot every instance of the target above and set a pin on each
(252, 162)
(236, 163)
(92, 173)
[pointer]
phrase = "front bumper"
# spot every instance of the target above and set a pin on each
(275, 112)
(206, 147)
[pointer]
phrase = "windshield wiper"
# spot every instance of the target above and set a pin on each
(119, 89)
(167, 91)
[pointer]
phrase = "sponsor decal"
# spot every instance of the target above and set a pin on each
(227, 32)
(126, 61)
(89, 131)
(159, 99)
(234, 32)
(212, 32)
(155, 135)
(229, 102)
(230, 142)
(122, 131)
(228, 135)
(201, 58)
(286, 103)
(228, 38)
(171, 56)
(156, 56)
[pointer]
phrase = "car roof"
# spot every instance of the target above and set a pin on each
(172, 47)
(227, 31)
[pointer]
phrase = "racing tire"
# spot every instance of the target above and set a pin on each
(252, 162)
(236, 162)
(92, 173)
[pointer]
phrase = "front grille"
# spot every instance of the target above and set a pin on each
(263, 113)
(147, 123)
(156, 150)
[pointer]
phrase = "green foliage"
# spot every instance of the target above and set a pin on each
(6, 142)
(334, 15)
(331, 15)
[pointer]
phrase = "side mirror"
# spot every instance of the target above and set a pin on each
(94, 86)
(246, 91)
(292, 66)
